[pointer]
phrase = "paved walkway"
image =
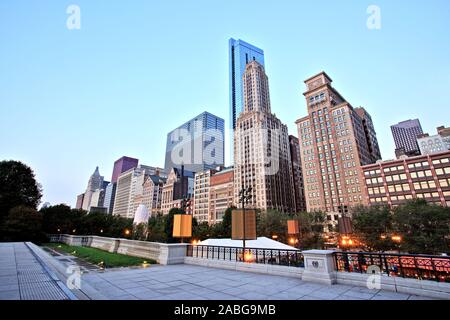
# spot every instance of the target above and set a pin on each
(186, 282)
(24, 277)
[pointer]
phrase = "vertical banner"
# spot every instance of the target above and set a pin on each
(237, 225)
(293, 227)
(182, 226)
(345, 225)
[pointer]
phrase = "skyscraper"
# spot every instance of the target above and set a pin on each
(371, 136)
(110, 195)
(240, 54)
(197, 144)
(95, 182)
(261, 147)
(297, 176)
(130, 184)
(121, 165)
(405, 137)
(334, 143)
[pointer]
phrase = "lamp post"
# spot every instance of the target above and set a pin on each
(244, 197)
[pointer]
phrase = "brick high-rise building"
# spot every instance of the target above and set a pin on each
(297, 176)
(405, 137)
(335, 141)
(221, 194)
(261, 147)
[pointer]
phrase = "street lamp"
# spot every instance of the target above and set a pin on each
(244, 197)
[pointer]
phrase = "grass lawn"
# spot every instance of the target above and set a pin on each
(96, 256)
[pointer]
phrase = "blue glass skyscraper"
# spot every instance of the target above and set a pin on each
(197, 144)
(240, 53)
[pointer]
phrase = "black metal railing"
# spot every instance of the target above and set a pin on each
(424, 267)
(292, 258)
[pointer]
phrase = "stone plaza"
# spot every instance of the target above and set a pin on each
(29, 273)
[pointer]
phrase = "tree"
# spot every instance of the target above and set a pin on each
(200, 231)
(61, 219)
(272, 222)
(23, 224)
(18, 187)
(311, 225)
(423, 227)
(156, 229)
(370, 224)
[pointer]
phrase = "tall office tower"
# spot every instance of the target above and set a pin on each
(197, 144)
(405, 137)
(95, 182)
(121, 165)
(370, 134)
(297, 176)
(261, 147)
(334, 145)
(129, 184)
(240, 54)
(110, 195)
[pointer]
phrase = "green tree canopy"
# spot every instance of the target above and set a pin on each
(424, 227)
(370, 224)
(23, 224)
(18, 187)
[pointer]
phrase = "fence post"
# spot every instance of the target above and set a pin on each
(319, 266)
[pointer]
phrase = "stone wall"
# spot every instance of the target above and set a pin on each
(163, 253)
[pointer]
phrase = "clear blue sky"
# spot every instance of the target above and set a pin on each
(72, 100)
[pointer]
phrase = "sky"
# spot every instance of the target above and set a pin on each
(71, 100)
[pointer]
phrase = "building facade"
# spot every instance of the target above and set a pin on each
(197, 144)
(297, 176)
(240, 54)
(79, 204)
(201, 195)
(121, 165)
(436, 143)
(95, 182)
(221, 194)
(152, 193)
(334, 145)
(179, 187)
(130, 185)
(110, 195)
(405, 137)
(421, 177)
(261, 147)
